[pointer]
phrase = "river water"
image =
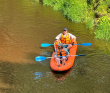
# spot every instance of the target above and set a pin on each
(24, 25)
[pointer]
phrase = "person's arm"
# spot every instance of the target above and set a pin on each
(55, 55)
(58, 36)
(73, 38)
(66, 50)
(55, 45)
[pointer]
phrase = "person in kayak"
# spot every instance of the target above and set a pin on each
(61, 51)
(66, 38)
(57, 41)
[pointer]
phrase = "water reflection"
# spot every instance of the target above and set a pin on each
(61, 76)
(38, 75)
(46, 53)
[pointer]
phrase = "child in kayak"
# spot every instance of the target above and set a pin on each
(61, 53)
(57, 41)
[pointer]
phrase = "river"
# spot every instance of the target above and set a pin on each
(24, 25)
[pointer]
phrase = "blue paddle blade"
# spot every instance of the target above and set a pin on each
(82, 55)
(46, 44)
(86, 44)
(40, 58)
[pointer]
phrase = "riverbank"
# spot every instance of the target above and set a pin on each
(94, 13)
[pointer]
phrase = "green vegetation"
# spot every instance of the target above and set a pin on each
(95, 13)
(72, 9)
(103, 28)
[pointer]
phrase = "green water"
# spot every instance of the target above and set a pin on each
(24, 25)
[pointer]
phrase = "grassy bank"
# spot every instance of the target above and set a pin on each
(95, 13)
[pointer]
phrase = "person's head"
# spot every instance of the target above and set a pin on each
(60, 45)
(65, 31)
(57, 40)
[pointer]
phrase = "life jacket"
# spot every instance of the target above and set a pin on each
(56, 44)
(62, 53)
(66, 40)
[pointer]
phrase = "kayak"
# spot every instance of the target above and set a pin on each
(68, 64)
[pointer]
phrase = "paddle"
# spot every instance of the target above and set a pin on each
(46, 44)
(42, 58)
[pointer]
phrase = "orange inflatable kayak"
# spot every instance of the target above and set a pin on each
(68, 64)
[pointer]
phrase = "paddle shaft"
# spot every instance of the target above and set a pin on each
(42, 58)
(68, 55)
(46, 44)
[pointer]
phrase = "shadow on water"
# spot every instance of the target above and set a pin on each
(7, 78)
(20, 78)
(31, 55)
(61, 76)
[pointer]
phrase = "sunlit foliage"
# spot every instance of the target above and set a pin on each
(103, 28)
(95, 13)
(75, 10)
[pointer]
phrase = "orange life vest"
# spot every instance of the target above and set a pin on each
(56, 44)
(63, 53)
(66, 40)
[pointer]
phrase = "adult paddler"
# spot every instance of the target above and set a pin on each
(66, 38)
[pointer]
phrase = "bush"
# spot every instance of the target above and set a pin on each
(91, 12)
(74, 10)
(103, 28)
(48, 2)
(90, 19)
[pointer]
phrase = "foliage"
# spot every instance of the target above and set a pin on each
(108, 10)
(101, 9)
(107, 2)
(90, 19)
(92, 12)
(59, 4)
(103, 28)
(74, 10)
(90, 22)
(48, 2)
